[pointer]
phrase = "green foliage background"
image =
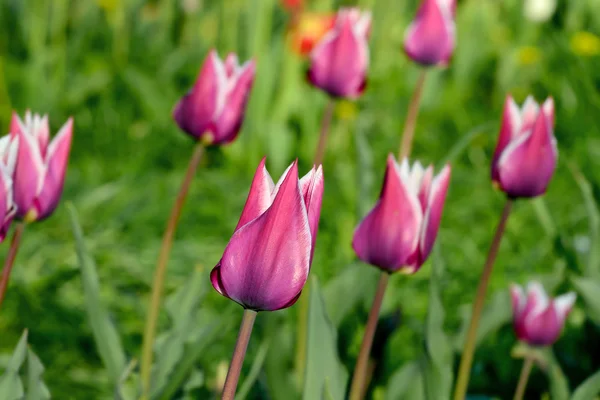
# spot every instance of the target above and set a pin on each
(118, 67)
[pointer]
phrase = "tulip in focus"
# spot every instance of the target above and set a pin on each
(308, 29)
(399, 232)
(526, 154)
(430, 38)
(537, 319)
(213, 110)
(266, 263)
(41, 165)
(339, 62)
(8, 157)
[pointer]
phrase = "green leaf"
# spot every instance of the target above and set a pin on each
(589, 290)
(323, 363)
(589, 389)
(36, 388)
(438, 366)
(11, 386)
(257, 364)
(559, 386)
(105, 334)
(406, 383)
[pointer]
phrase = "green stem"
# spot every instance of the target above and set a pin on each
(233, 375)
(161, 269)
(525, 371)
(360, 371)
(10, 259)
(467, 356)
(325, 124)
(411, 118)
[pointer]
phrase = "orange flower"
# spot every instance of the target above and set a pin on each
(308, 29)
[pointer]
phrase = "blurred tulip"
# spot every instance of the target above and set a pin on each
(431, 37)
(292, 5)
(308, 29)
(399, 232)
(213, 110)
(41, 165)
(526, 154)
(340, 60)
(266, 263)
(538, 320)
(539, 10)
(8, 156)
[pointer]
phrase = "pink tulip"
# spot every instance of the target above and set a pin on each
(213, 110)
(399, 232)
(526, 154)
(431, 37)
(8, 157)
(339, 62)
(266, 263)
(537, 319)
(41, 165)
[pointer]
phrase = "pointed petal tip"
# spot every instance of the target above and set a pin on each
(215, 279)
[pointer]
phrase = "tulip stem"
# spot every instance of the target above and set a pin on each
(161, 269)
(10, 259)
(525, 371)
(325, 124)
(471, 339)
(233, 375)
(360, 371)
(411, 118)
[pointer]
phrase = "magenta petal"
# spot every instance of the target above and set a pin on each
(54, 179)
(543, 328)
(311, 186)
(28, 175)
(195, 111)
(266, 262)
(388, 236)
(511, 121)
(433, 215)
(7, 209)
(528, 163)
(259, 197)
(339, 63)
(230, 120)
(425, 187)
(429, 39)
(518, 300)
(231, 64)
(215, 279)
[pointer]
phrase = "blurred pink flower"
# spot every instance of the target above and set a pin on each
(339, 62)
(8, 157)
(538, 320)
(213, 110)
(41, 165)
(431, 37)
(399, 232)
(526, 154)
(266, 263)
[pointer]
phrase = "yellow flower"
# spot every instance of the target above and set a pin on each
(585, 44)
(528, 55)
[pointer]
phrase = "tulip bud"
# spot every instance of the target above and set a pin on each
(41, 165)
(431, 37)
(266, 263)
(399, 232)
(526, 154)
(339, 62)
(538, 320)
(213, 110)
(8, 156)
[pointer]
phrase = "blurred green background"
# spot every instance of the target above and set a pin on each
(118, 67)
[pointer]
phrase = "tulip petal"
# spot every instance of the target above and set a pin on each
(528, 162)
(563, 305)
(388, 236)
(195, 111)
(266, 263)
(259, 196)
(29, 173)
(7, 208)
(542, 328)
(529, 114)
(231, 64)
(425, 189)
(56, 166)
(433, 215)
(311, 186)
(229, 121)
(215, 279)
(429, 39)
(511, 122)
